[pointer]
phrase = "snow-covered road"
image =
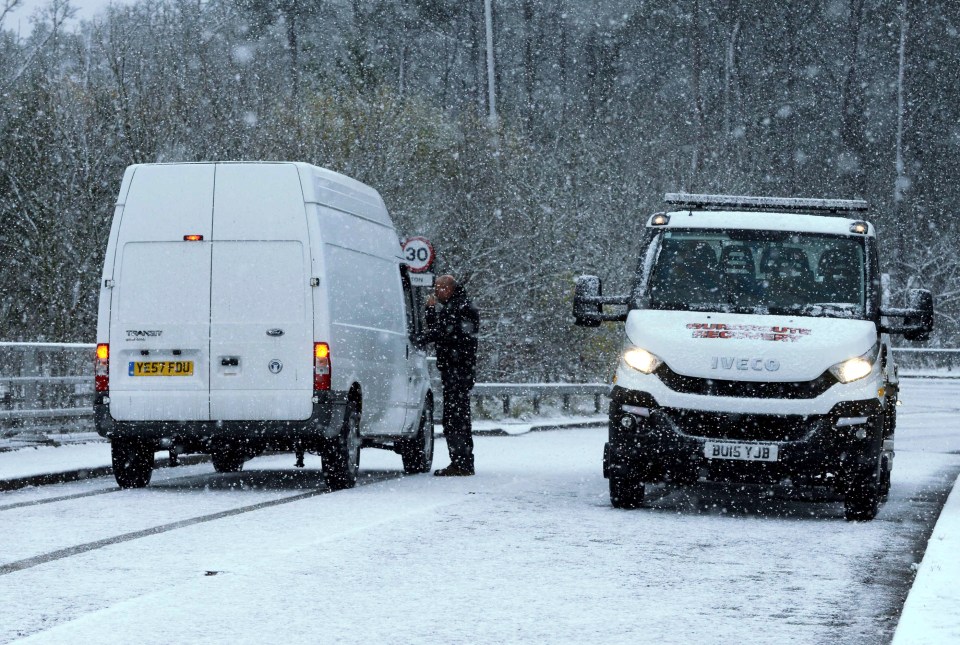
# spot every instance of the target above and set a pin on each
(528, 550)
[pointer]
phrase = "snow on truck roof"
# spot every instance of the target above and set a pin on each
(765, 213)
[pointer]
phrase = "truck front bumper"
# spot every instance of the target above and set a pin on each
(654, 443)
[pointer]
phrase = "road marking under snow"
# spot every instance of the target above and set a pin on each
(27, 563)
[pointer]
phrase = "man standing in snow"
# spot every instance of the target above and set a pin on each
(452, 324)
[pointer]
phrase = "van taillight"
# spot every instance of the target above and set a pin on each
(101, 368)
(321, 366)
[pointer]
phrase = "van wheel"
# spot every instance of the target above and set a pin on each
(626, 492)
(227, 461)
(341, 456)
(862, 499)
(417, 453)
(132, 462)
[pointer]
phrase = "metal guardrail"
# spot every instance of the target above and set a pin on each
(506, 392)
(54, 382)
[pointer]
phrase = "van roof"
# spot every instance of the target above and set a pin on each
(762, 221)
(320, 186)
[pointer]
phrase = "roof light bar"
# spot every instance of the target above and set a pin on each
(778, 204)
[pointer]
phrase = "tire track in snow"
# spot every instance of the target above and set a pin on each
(92, 493)
(78, 549)
(62, 498)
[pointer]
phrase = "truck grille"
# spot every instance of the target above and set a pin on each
(745, 389)
(753, 427)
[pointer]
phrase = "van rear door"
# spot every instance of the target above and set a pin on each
(160, 303)
(261, 315)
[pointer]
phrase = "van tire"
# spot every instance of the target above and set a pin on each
(132, 462)
(227, 461)
(417, 453)
(863, 496)
(341, 456)
(626, 492)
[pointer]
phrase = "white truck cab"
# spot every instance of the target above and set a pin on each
(756, 350)
(254, 306)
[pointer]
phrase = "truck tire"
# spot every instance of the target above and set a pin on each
(863, 495)
(132, 462)
(226, 460)
(626, 492)
(417, 453)
(341, 456)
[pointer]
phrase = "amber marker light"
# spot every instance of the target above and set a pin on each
(193, 238)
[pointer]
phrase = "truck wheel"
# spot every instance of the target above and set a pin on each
(341, 456)
(132, 462)
(417, 453)
(862, 499)
(227, 461)
(626, 492)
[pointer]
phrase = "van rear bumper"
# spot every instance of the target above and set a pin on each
(657, 444)
(325, 422)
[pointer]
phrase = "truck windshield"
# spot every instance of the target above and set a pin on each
(765, 272)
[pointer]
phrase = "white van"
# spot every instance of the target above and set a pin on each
(756, 350)
(257, 306)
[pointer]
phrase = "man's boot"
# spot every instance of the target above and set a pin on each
(454, 470)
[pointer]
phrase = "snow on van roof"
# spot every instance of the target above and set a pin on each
(329, 188)
(762, 221)
(320, 186)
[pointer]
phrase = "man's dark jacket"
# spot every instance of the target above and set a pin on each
(453, 327)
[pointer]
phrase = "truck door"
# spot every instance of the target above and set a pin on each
(261, 312)
(160, 302)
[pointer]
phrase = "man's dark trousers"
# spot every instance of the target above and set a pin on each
(457, 426)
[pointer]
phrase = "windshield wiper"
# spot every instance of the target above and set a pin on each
(830, 309)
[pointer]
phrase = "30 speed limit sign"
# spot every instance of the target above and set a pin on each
(418, 254)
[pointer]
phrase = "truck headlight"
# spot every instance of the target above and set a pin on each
(856, 368)
(641, 360)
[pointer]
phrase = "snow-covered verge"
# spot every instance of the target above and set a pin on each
(44, 460)
(931, 613)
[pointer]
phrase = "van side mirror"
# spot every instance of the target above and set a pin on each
(917, 317)
(588, 302)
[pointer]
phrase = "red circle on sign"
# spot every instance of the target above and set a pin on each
(418, 254)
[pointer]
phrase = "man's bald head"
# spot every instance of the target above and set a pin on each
(445, 287)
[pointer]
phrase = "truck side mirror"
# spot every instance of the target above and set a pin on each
(920, 320)
(588, 302)
(587, 310)
(917, 316)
